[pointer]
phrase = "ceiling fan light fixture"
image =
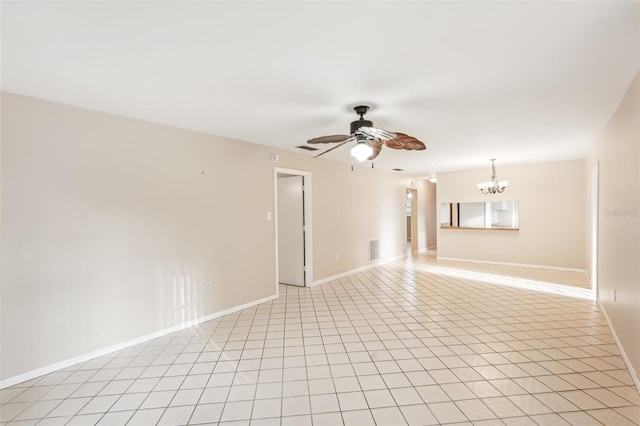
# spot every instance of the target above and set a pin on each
(369, 140)
(361, 151)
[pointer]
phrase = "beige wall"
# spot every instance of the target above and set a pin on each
(349, 209)
(111, 226)
(431, 220)
(617, 151)
(421, 211)
(551, 202)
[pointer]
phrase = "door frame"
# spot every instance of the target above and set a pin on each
(308, 240)
(595, 209)
(414, 219)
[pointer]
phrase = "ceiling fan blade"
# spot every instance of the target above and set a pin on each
(332, 148)
(402, 141)
(376, 146)
(376, 133)
(329, 139)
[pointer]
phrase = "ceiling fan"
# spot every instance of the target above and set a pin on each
(369, 140)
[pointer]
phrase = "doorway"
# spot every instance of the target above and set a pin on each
(411, 206)
(292, 193)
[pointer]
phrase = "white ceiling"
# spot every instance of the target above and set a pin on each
(519, 81)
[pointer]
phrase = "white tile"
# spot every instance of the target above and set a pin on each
(550, 420)
(85, 419)
(520, 421)
(99, 404)
(352, 401)
(582, 400)
(418, 415)
(457, 391)
(295, 388)
(346, 384)
(556, 402)
(358, 418)
(432, 393)
(607, 397)
(389, 416)
(406, 396)
(146, 417)
(304, 420)
(213, 395)
(396, 380)
(263, 408)
(379, 398)
(447, 412)
(420, 378)
(327, 419)
(321, 386)
(268, 390)
(116, 418)
(68, 407)
(52, 421)
(158, 399)
(33, 393)
(580, 418)
(239, 410)
(206, 413)
(37, 410)
(372, 382)
(242, 393)
(502, 407)
(324, 403)
(176, 415)
(186, 397)
(421, 345)
(295, 406)
(475, 409)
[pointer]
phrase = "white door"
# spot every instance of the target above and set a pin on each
(290, 230)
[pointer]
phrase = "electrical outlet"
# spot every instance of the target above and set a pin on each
(268, 215)
(207, 287)
(337, 256)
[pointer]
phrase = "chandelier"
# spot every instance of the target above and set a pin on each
(493, 186)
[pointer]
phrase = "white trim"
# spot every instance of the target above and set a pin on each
(595, 215)
(523, 265)
(353, 271)
(308, 244)
(632, 372)
(432, 247)
(123, 345)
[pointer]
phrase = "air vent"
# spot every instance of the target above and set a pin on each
(374, 250)
(307, 147)
(398, 170)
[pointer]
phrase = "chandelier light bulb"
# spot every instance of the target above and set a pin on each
(361, 151)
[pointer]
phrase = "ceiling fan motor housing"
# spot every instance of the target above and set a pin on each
(355, 125)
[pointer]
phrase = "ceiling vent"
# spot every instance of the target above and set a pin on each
(307, 148)
(374, 250)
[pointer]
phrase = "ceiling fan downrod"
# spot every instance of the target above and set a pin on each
(361, 110)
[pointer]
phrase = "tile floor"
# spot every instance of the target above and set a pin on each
(402, 343)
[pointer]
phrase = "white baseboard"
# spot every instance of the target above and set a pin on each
(632, 372)
(523, 265)
(123, 345)
(353, 271)
(432, 247)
